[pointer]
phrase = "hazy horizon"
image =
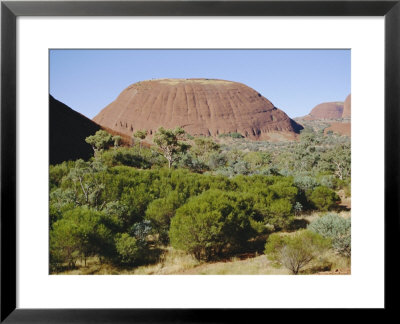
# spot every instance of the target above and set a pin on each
(295, 81)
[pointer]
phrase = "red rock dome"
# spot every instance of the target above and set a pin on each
(201, 106)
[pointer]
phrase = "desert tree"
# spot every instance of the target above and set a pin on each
(100, 141)
(212, 224)
(204, 146)
(337, 228)
(296, 251)
(87, 185)
(170, 142)
(140, 135)
(324, 198)
(338, 160)
(117, 140)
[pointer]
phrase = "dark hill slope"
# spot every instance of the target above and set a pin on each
(68, 130)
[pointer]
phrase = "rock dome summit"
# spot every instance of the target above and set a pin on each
(208, 107)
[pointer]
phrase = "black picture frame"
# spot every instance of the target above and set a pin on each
(10, 10)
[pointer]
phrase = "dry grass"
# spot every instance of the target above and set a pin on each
(329, 263)
(315, 215)
(171, 262)
(179, 263)
(92, 267)
(259, 265)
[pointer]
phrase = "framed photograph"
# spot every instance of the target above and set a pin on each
(170, 161)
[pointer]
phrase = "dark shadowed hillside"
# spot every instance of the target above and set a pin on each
(68, 130)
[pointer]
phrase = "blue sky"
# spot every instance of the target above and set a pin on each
(293, 80)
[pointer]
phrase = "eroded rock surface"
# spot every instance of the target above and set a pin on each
(207, 107)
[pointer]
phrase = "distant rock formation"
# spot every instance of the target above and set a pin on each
(336, 114)
(206, 107)
(330, 110)
(326, 110)
(347, 107)
(68, 130)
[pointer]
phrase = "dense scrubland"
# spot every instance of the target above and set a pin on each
(178, 204)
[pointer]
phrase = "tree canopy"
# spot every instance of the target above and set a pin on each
(170, 142)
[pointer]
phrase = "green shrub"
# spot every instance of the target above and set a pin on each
(305, 182)
(233, 135)
(324, 198)
(100, 141)
(57, 172)
(128, 248)
(295, 251)
(188, 161)
(161, 211)
(217, 160)
(64, 245)
(280, 213)
(337, 228)
(76, 235)
(211, 224)
(124, 156)
(328, 181)
(298, 208)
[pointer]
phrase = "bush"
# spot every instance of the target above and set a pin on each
(274, 198)
(211, 224)
(295, 251)
(124, 156)
(233, 135)
(324, 198)
(328, 181)
(127, 248)
(217, 160)
(57, 172)
(337, 228)
(280, 213)
(161, 211)
(77, 235)
(191, 162)
(64, 246)
(305, 182)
